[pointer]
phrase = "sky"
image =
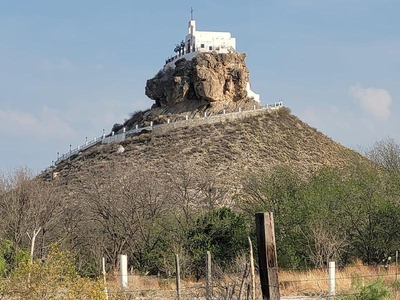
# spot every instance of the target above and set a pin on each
(69, 69)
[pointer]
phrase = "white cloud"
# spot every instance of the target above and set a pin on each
(62, 64)
(49, 124)
(375, 101)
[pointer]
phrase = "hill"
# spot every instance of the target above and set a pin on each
(226, 147)
(148, 194)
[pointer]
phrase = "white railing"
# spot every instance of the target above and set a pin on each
(197, 50)
(121, 136)
(84, 147)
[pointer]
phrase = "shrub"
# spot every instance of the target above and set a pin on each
(53, 278)
(373, 291)
(220, 231)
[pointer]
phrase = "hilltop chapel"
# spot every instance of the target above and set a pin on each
(197, 41)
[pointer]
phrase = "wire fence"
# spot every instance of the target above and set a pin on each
(351, 282)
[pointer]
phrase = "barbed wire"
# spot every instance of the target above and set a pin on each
(200, 288)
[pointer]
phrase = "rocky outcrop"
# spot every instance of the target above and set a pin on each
(208, 78)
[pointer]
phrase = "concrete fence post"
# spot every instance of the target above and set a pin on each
(178, 277)
(124, 271)
(397, 270)
(331, 272)
(209, 289)
(224, 111)
(104, 277)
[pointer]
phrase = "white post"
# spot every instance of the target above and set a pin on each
(331, 271)
(205, 114)
(151, 123)
(397, 270)
(397, 263)
(224, 111)
(112, 133)
(208, 277)
(124, 271)
(168, 121)
(124, 129)
(104, 277)
(187, 117)
(254, 107)
(178, 277)
(137, 126)
(240, 109)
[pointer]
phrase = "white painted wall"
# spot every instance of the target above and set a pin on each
(207, 41)
(251, 94)
(203, 41)
(212, 41)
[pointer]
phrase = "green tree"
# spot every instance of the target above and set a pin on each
(220, 231)
(10, 258)
(326, 227)
(279, 190)
(334, 214)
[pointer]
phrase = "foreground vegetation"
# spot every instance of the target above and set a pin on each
(342, 214)
(55, 277)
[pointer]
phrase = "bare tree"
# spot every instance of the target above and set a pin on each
(28, 205)
(325, 246)
(124, 212)
(386, 153)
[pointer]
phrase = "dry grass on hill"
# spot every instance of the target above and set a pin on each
(228, 148)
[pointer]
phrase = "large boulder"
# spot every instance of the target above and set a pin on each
(210, 77)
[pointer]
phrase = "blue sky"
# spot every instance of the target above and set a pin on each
(70, 69)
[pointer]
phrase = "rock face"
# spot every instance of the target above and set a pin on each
(208, 78)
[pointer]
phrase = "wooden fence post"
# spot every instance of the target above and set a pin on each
(267, 258)
(208, 277)
(178, 277)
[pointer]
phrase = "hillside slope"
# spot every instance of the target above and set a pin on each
(229, 149)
